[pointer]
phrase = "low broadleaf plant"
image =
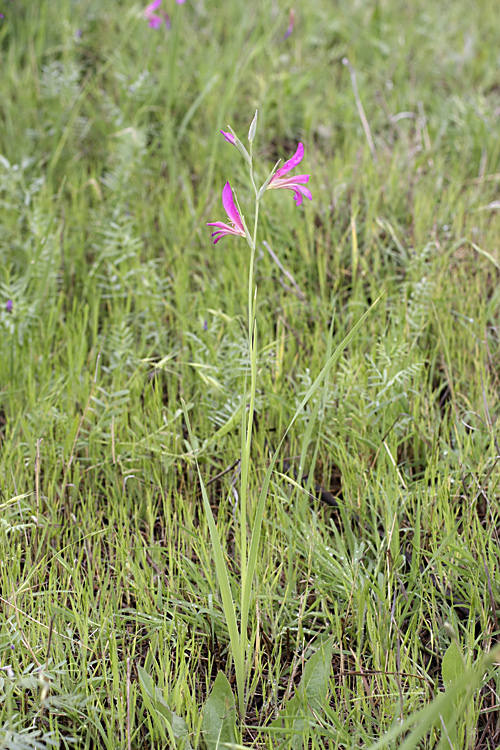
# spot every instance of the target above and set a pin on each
(219, 715)
(170, 726)
(298, 715)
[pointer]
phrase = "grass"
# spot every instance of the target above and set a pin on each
(111, 164)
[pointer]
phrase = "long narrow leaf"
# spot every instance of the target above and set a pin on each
(259, 514)
(223, 579)
(427, 717)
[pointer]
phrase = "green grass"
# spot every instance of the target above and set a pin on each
(111, 163)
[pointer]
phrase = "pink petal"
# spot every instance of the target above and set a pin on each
(236, 225)
(222, 230)
(300, 178)
(299, 192)
(229, 137)
(231, 210)
(217, 238)
(220, 225)
(152, 7)
(291, 163)
(293, 183)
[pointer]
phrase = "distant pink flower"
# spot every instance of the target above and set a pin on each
(292, 183)
(236, 225)
(229, 137)
(155, 21)
(291, 23)
(2, 15)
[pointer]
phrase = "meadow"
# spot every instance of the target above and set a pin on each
(126, 360)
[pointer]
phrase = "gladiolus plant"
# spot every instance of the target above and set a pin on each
(242, 587)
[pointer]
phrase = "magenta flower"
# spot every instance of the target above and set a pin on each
(229, 137)
(292, 183)
(155, 21)
(235, 225)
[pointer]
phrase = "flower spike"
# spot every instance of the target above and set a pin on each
(292, 183)
(235, 225)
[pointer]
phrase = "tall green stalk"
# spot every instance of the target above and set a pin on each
(246, 582)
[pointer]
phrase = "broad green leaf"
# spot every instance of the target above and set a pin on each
(168, 724)
(452, 666)
(313, 686)
(219, 714)
(310, 697)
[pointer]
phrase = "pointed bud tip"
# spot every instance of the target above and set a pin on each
(253, 127)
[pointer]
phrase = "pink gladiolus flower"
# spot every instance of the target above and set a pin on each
(155, 21)
(292, 183)
(229, 137)
(235, 225)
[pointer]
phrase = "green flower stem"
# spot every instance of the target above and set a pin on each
(246, 582)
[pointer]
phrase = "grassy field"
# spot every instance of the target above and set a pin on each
(382, 550)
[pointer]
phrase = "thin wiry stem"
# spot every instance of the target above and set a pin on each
(361, 111)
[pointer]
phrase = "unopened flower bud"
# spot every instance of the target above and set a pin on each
(253, 128)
